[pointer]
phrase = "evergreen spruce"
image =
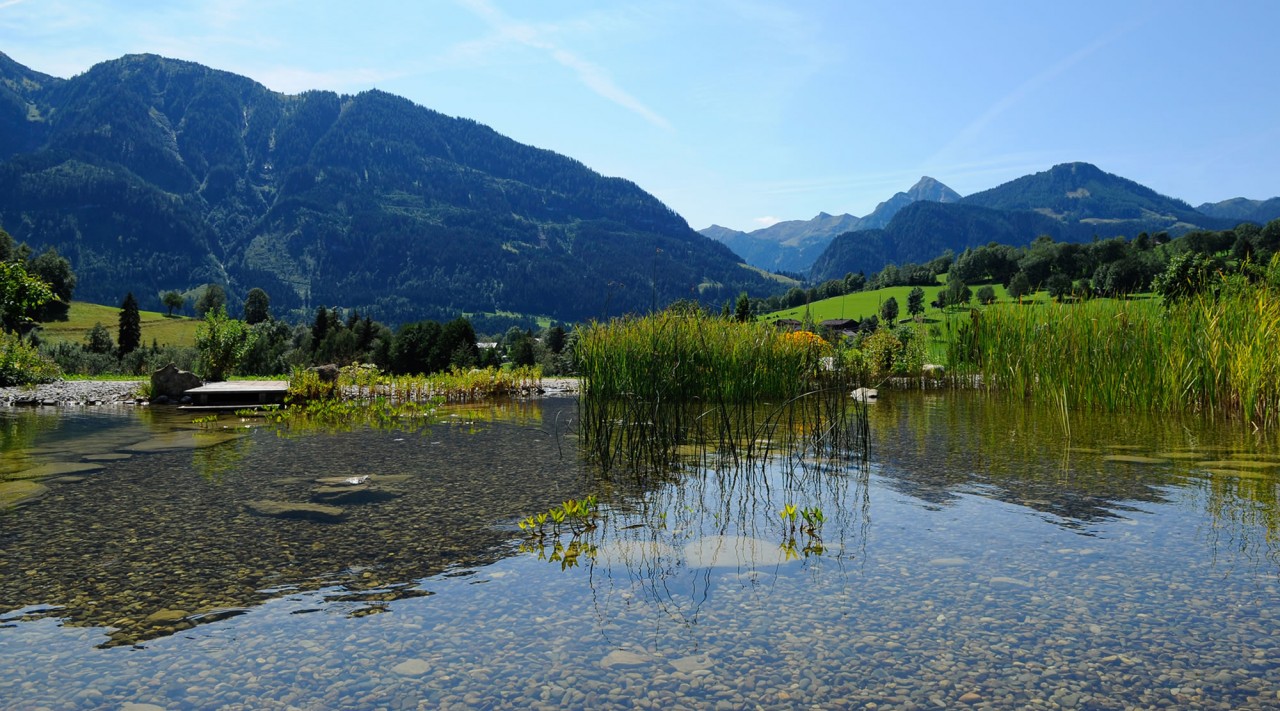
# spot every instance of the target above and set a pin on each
(130, 336)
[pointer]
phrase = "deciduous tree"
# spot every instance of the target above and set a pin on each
(889, 310)
(257, 306)
(213, 298)
(915, 302)
(172, 300)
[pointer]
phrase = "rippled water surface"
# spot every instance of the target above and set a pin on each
(989, 554)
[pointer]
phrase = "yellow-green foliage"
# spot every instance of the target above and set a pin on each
(155, 326)
(20, 364)
(367, 383)
(1213, 354)
(681, 357)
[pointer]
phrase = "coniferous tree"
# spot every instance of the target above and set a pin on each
(743, 311)
(130, 336)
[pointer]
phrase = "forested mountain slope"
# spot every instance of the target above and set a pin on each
(153, 174)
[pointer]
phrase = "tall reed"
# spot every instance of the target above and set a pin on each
(1213, 353)
(653, 384)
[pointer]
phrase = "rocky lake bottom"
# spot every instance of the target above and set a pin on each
(988, 555)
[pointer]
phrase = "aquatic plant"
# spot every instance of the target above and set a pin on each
(576, 516)
(1212, 353)
(811, 528)
(365, 383)
(653, 385)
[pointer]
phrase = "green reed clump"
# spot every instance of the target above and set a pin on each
(1213, 353)
(653, 385)
(681, 357)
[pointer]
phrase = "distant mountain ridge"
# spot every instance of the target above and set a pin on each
(153, 174)
(1243, 209)
(1069, 202)
(793, 245)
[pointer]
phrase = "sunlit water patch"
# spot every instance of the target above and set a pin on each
(988, 553)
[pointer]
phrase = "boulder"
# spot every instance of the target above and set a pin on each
(172, 383)
(934, 371)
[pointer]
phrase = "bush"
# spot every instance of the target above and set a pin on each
(22, 364)
(222, 343)
(77, 359)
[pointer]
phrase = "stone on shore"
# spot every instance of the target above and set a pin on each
(172, 383)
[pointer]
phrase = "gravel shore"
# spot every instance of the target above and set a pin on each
(72, 392)
(101, 392)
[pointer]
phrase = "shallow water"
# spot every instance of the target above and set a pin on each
(989, 553)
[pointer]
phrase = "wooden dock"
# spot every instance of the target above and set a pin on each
(237, 394)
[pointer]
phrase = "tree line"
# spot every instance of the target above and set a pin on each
(1104, 267)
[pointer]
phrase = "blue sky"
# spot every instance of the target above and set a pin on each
(745, 112)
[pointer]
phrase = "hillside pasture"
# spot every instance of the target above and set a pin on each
(862, 304)
(175, 331)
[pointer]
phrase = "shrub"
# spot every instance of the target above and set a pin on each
(222, 343)
(22, 364)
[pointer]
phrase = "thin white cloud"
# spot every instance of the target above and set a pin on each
(766, 221)
(969, 133)
(592, 76)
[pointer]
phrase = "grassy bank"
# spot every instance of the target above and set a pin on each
(1205, 354)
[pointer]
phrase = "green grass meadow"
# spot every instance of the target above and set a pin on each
(862, 304)
(175, 331)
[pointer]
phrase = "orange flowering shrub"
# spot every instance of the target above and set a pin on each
(805, 339)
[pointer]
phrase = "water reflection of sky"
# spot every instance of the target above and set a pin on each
(953, 570)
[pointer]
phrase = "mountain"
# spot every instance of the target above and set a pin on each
(789, 246)
(1080, 192)
(1069, 202)
(925, 190)
(1243, 209)
(793, 245)
(924, 230)
(152, 174)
